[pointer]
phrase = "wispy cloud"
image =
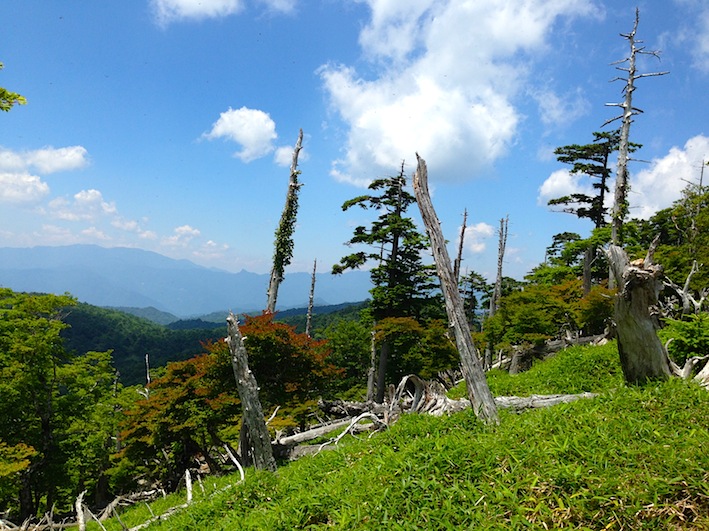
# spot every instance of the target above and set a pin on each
(167, 11)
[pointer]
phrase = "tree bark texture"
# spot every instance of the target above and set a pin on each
(478, 391)
(642, 355)
(252, 412)
(311, 302)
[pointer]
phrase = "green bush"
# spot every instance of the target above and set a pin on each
(687, 338)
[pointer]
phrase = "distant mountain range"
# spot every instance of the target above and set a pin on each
(125, 277)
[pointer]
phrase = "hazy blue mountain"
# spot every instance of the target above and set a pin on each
(124, 277)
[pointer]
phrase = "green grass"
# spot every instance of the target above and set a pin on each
(632, 458)
(574, 370)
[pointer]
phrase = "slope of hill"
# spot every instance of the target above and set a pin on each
(131, 338)
(123, 277)
(631, 458)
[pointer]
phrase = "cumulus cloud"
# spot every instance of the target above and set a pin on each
(661, 184)
(562, 183)
(476, 236)
(167, 11)
(21, 188)
(44, 161)
(443, 88)
(86, 205)
(252, 129)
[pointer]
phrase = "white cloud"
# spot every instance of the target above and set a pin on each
(661, 184)
(87, 205)
(21, 188)
(562, 183)
(167, 11)
(181, 237)
(252, 129)
(476, 236)
(448, 71)
(283, 156)
(45, 160)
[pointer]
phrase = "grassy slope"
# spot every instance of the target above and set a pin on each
(630, 458)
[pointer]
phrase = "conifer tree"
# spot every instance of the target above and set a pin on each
(402, 284)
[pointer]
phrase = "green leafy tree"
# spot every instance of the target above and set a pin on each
(180, 418)
(9, 99)
(350, 344)
(56, 408)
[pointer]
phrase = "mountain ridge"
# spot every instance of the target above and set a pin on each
(128, 277)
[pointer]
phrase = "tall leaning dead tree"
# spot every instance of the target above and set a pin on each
(642, 355)
(283, 252)
(478, 391)
(252, 412)
(620, 205)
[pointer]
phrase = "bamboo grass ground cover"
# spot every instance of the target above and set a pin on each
(632, 458)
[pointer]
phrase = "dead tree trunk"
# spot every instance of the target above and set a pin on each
(252, 413)
(642, 355)
(284, 233)
(478, 391)
(620, 204)
(311, 301)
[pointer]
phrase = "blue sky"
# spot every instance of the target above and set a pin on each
(168, 125)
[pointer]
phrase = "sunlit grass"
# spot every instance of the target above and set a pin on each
(631, 458)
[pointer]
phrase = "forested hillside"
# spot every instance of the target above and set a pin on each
(130, 338)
